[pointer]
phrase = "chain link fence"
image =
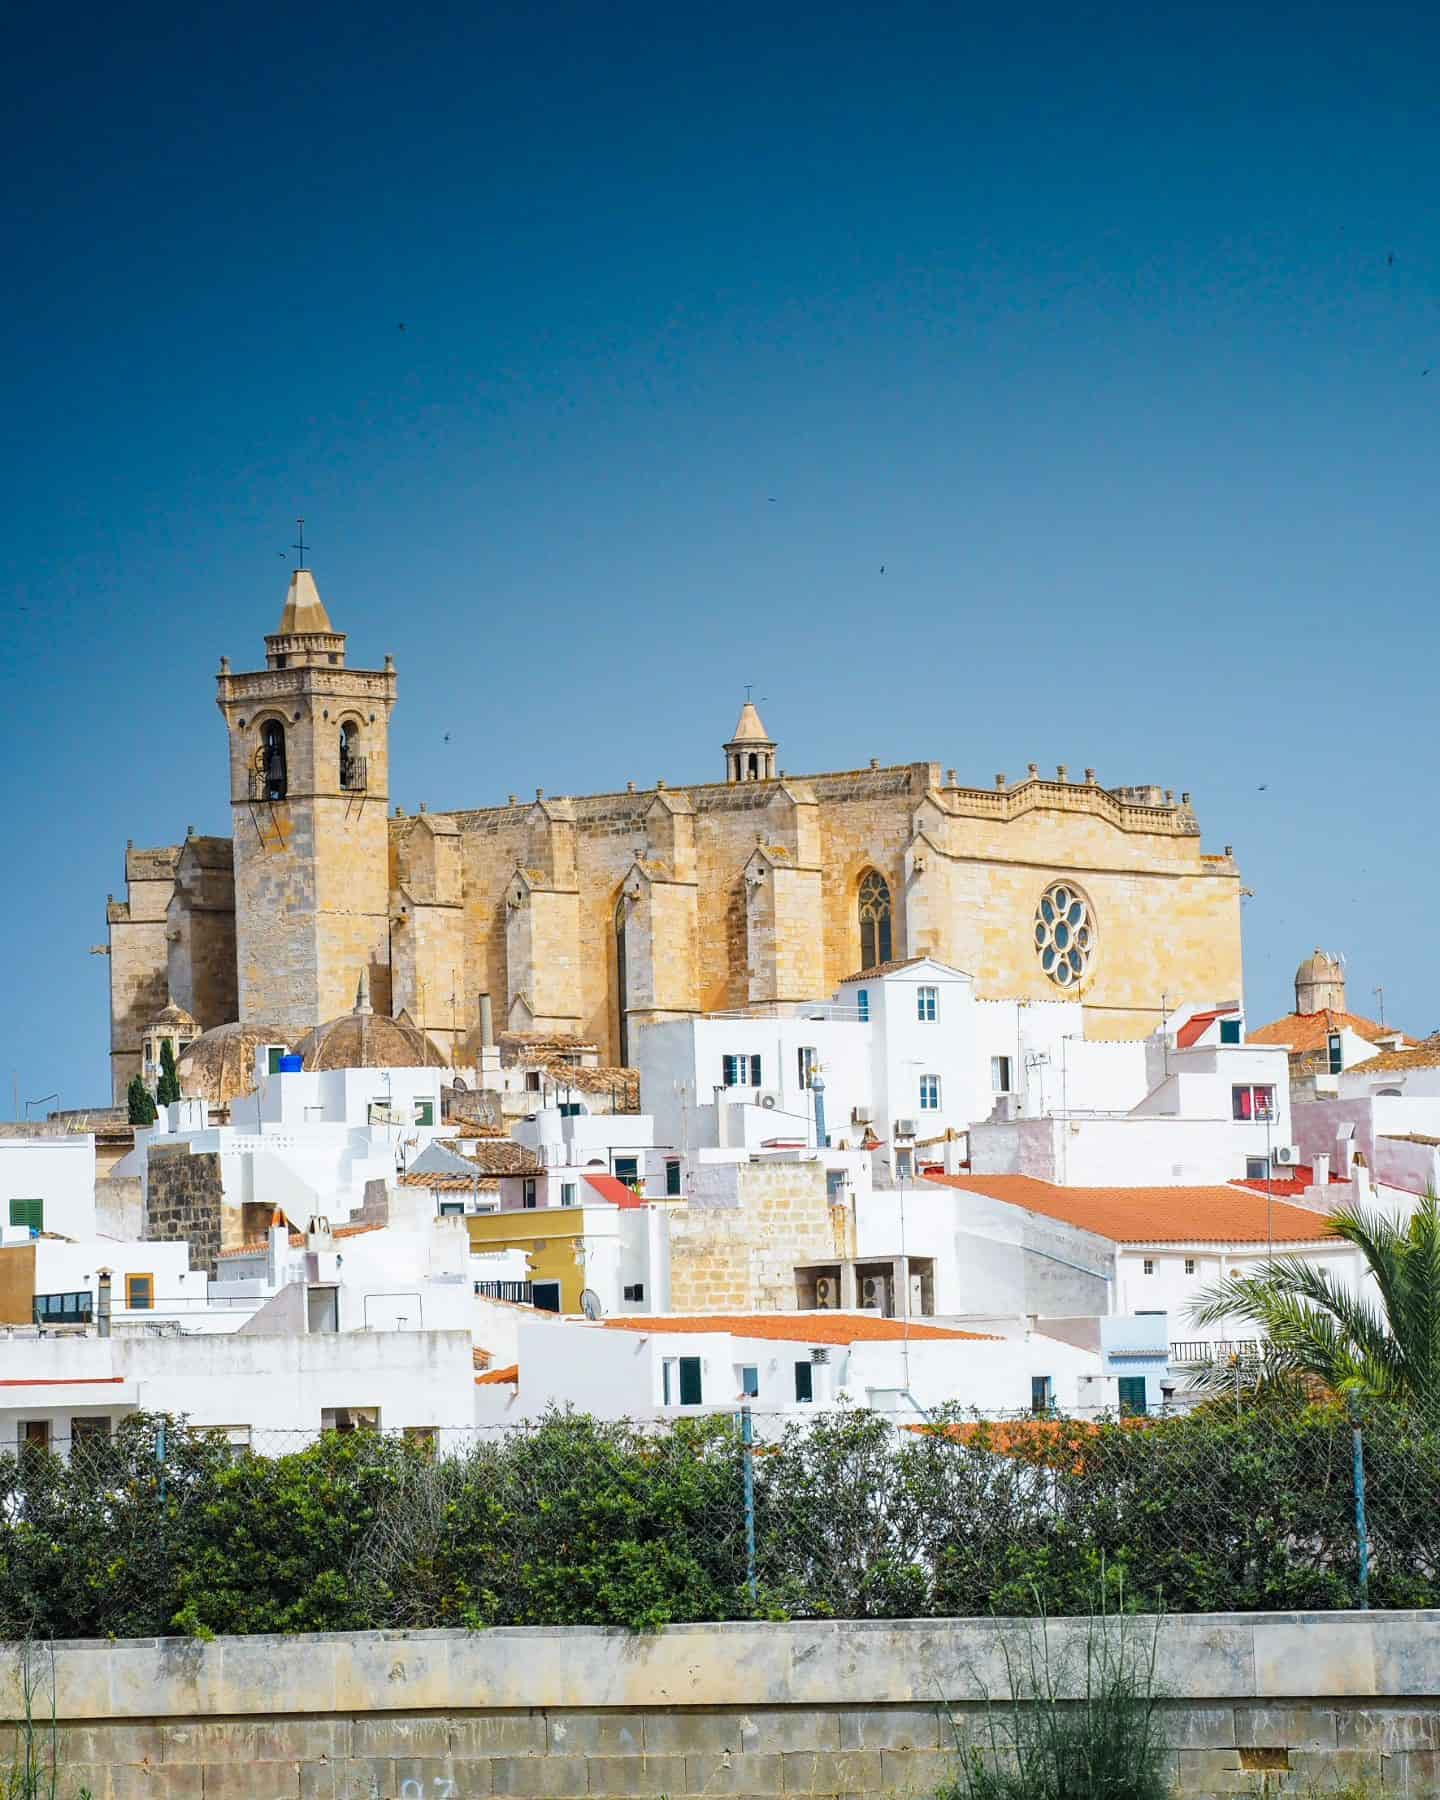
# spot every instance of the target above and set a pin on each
(157, 1527)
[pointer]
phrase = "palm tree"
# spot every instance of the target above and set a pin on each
(1317, 1332)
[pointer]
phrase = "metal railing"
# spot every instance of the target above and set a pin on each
(519, 1293)
(1196, 1350)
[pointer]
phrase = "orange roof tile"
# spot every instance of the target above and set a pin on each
(1199, 1023)
(1153, 1215)
(509, 1376)
(1419, 1056)
(798, 1328)
(1310, 1031)
(609, 1187)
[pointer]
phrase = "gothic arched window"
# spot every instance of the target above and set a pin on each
(272, 760)
(874, 903)
(621, 983)
(352, 764)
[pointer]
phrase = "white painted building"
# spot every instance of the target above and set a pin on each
(275, 1392)
(47, 1184)
(785, 1366)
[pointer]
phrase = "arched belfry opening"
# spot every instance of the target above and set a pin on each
(274, 771)
(873, 905)
(352, 761)
(750, 754)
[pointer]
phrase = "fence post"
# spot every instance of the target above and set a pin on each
(747, 1456)
(160, 1455)
(1362, 1537)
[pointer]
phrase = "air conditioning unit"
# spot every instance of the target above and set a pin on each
(827, 1293)
(862, 1115)
(1286, 1155)
(874, 1290)
(768, 1100)
(904, 1128)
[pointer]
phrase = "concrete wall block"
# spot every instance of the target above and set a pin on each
(357, 1778)
(918, 1772)
(1339, 1768)
(381, 1734)
(796, 1728)
(517, 1733)
(1390, 1730)
(595, 1733)
(628, 1777)
(888, 1728)
(758, 1772)
(84, 1778)
(832, 1771)
(688, 1732)
(239, 1780)
(544, 1777)
(1414, 1773)
(106, 1744)
(1293, 1727)
(1214, 1772)
(434, 1777)
(1199, 1728)
(135, 1782)
(252, 1741)
(1292, 1658)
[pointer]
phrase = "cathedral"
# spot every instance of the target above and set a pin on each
(592, 915)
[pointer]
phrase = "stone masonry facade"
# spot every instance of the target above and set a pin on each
(185, 1203)
(599, 913)
(1259, 1704)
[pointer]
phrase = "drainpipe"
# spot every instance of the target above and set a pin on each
(817, 1087)
(102, 1317)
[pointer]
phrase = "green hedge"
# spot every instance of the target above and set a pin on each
(579, 1522)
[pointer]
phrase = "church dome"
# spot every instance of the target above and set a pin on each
(363, 1039)
(220, 1065)
(173, 1018)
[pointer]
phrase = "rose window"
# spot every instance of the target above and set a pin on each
(1064, 934)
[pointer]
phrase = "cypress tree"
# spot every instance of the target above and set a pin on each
(139, 1105)
(167, 1088)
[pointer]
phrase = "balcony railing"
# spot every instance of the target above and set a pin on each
(354, 778)
(1244, 1350)
(519, 1293)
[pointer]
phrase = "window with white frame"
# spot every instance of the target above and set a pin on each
(807, 1057)
(929, 1093)
(740, 1071)
(1148, 1265)
(527, 1192)
(1248, 1101)
(568, 1191)
(1000, 1074)
(1189, 1265)
(862, 1004)
(927, 1004)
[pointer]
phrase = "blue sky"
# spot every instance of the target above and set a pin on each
(1102, 328)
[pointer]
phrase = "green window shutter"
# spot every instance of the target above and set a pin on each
(689, 1380)
(29, 1213)
(1132, 1395)
(1229, 1031)
(804, 1381)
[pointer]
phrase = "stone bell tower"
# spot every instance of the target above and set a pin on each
(309, 783)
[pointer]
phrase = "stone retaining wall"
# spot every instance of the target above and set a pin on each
(1255, 1704)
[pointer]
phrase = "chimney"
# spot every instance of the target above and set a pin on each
(102, 1315)
(1321, 1166)
(487, 1023)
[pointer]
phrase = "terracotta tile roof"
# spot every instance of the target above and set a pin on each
(608, 1187)
(1411, 1137)
(257, 1247)
(545, 1040)
(799, 1328)
(899, 962)
(1310, 1031)
(624, 1083)
(1294, 1184)
(444, 1184)
(509, 1376)
(1153, 1215)
(502, 1156)
(1419, 1056)
(1199, 1023)
(468, 1128)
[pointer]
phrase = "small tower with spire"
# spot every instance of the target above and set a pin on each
(309, 782)
(750, 754)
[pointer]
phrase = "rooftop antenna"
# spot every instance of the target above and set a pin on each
(1380, 996)
(301, 545)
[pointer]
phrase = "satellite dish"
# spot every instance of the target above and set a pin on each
(590, 1304)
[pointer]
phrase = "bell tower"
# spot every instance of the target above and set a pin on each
(309, 785)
